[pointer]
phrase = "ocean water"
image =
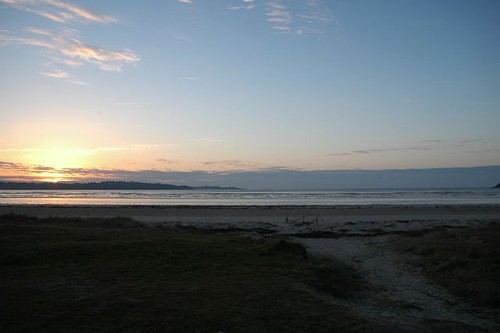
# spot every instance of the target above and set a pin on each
(468, 196)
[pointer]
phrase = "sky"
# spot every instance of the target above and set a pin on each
(107, 89)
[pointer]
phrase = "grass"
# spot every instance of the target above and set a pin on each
(465, 261)
(118, 275)
(336, 278)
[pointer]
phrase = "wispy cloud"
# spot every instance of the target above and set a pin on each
(34, 172)
(214, 140)
(59, 11)
(93, 150)
(6, 38)
(246, 4)
(166, 161)
(125, 148)
(278, 15)
(306, 16)
(314, 17)
(66, 48)
(285, 16)
(107, 60)
(19, 150)
(63, 49)
(232, 165)
(430, 141)
(38, 31)
(77, 82)
(58, 74)
(191, 78)
(10, 166)
(478, 151)
(429, 146)
(464, 143)
(25, 172)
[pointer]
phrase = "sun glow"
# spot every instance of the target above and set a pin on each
(59, 158)
(53, 177)
(56, 164)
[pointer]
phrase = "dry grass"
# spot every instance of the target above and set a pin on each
(117, 275)
(466, 261)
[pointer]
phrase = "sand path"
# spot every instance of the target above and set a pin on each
(402, 296)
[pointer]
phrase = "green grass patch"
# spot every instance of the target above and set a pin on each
(465, 261)
(118, 275)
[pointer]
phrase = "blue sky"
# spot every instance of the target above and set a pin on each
(224, 86)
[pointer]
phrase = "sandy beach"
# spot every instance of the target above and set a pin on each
(337, 220)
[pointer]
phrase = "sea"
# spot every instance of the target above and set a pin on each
(455, 196)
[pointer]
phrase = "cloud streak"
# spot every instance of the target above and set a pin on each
(432, 145)
(166, 161)
(214, 140)
(276, 178)
(94, 150)
(107, 60)
(58, 74)
(278, 15)
(24, 172)
(247, 4)
(31, 172)
(59, 11)
(288, 16)
(299, 17)
(232, 164)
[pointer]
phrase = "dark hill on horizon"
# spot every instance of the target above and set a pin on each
(497, 186)
(105, 185)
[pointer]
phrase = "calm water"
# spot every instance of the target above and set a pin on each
(334, 197)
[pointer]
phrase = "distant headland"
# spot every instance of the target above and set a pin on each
(497, 186)
(105, 185)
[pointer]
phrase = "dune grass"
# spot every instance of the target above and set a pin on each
(465, 261)
(118, 275)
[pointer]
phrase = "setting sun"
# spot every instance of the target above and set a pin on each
(53, 177)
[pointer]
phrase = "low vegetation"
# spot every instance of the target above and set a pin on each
(465, 261)
(116, 274)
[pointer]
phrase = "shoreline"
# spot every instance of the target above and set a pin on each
(425, 205)
(325, 221)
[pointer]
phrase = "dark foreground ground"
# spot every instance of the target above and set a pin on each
(69, 274)
(464, 261)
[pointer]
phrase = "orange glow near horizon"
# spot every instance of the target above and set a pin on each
(59, 158)
(53, 164)
(53, 177)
